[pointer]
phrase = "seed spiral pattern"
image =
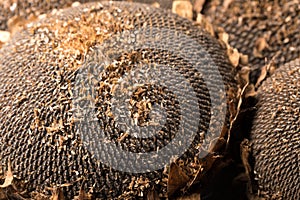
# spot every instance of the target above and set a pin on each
(264, 30)
(71, 80)
(275, 134)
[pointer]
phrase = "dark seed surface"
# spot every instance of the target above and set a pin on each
(264, 30)
(46, 101)
(275, 134)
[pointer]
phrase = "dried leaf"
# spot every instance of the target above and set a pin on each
(204, 23)
(260, 45)
(56, 193)
(206, 164)
(244, 60)
(177, 179)
(83, 195)
(263, 75)
(250, 92)
(245, 152)
(269, 68)
(198, 5)
(208, 161)
(234, 56)
(9, 177)
(244, 74)
(244, 80)
(223, 36)
(218, 143)
(238, 108)
(183, 8)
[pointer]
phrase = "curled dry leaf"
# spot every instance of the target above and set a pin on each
(263, 75)
(223, 36)
(260, 45)
(266, 70)
(9, 177)
(244, 82)
(234, 56)
(243, 76)
(56, 193)
(177, 179)
(244, 59)
(250, 91)
(233, 53)
(83, 195)
(204, 23)
(12, 188)
(206, 164)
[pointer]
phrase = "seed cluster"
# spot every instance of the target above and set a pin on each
(13, 12)
(275, 135)
(264, 30)
(42, 133)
